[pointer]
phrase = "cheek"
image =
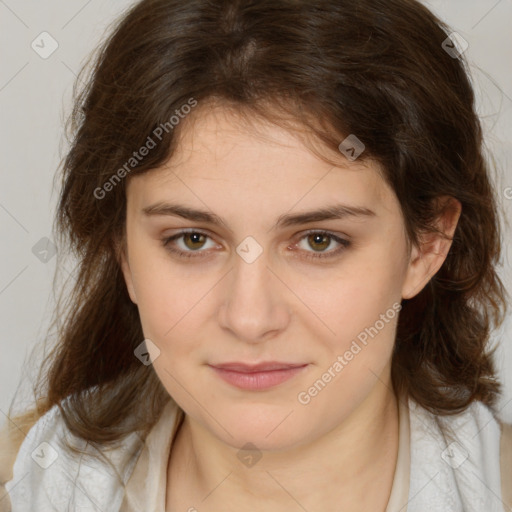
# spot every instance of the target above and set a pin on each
(351, 301)
(357, 357)
(166, 293)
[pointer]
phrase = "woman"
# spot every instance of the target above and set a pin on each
(287, 240)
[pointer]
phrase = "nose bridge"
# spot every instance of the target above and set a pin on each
(251, 279)
(253, 304)
(250, 274)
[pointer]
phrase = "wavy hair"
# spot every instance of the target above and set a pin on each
(378, 69)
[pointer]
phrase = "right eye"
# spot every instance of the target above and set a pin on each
(192, 242)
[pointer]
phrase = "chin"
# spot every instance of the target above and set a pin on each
(267, 429)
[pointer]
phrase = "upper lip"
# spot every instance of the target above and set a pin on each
(260, 367)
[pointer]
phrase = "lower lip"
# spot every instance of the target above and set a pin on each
(257, 380)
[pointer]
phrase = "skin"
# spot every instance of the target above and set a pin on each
(280, 307)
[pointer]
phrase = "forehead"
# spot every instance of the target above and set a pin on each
(228, 162)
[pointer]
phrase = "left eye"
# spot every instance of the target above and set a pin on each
(193, 241)
(321, 240)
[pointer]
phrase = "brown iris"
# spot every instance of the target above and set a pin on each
(313, 240)
(195, 238)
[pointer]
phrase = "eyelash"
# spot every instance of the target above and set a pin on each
(311, 255)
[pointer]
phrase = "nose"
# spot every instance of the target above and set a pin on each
(254, 306)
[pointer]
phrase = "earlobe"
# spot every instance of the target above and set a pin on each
(428, 257)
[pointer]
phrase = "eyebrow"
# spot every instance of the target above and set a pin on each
(337, 211)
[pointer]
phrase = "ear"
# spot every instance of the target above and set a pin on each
(427, 258)
(122, 258)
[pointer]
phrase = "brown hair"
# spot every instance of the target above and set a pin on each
(373, 68)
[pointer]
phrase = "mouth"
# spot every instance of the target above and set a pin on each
(255, 377)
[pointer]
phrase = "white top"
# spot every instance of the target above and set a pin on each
(433, 472)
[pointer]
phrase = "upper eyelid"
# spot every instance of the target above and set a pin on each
(181, 232)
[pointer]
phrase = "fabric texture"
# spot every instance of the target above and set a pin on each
(46, 477)
(455, 461)
(444, 464)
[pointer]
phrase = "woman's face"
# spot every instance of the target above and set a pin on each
(257, 281)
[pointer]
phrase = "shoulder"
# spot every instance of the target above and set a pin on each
(480, 424)
(476, 430)
(12, 435)
(495, 439)
(477, 421)
(16, 441)
(467, 451)
(45, 474)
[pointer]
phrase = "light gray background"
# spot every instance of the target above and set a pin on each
(35, 98)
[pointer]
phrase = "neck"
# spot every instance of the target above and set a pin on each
(365, 447)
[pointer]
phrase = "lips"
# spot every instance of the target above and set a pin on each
(261, 367)
(257, 377)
